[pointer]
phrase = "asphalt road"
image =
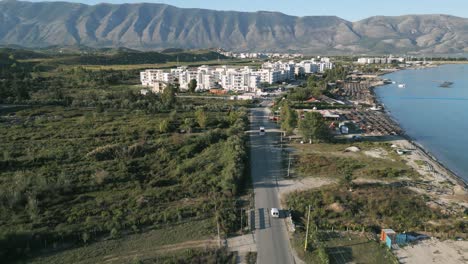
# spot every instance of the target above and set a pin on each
(270, 233)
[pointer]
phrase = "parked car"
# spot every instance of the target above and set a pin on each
(275, 212)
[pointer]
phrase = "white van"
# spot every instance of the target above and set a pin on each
(262, 131)
(275, 212)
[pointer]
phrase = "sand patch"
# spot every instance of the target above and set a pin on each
(434, 251)
(378, 153)
(287, 186)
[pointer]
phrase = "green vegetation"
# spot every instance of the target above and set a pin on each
(369, 206)
(288, 118)
(129, 57)
(251, 258)
(192, 85)
(329, 160)
(317, 85)
(68, 172)
(147, 244)
(195, 256)
(313, 127)
(87, 160)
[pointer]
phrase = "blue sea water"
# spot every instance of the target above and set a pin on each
(435, 117)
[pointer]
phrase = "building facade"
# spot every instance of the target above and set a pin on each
(239, 79)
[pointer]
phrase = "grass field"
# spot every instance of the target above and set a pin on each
(375, 160)
(140, 246)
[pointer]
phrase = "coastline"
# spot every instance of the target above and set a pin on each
(450, 173)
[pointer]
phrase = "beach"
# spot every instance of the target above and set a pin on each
(413, 140)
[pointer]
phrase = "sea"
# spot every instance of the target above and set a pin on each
(434, 117)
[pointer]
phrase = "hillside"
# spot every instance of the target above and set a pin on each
(159, 26)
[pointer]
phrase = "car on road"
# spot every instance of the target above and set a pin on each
(262, 131)
(275, 212)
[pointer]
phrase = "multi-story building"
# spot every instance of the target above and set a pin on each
(323, 66)
(243, 79)
(377, 60)
(150, 76)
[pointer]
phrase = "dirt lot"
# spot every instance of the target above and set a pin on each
(434, 251)
(287, 186)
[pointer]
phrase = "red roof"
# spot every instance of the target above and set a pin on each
(313, 100)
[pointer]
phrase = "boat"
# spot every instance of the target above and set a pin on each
(446, 84)
(401, 85)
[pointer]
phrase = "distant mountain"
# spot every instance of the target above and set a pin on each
(158, 26)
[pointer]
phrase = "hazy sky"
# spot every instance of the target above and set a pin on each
(348, 9)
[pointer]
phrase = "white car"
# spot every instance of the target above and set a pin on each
(275, 212)
(262, 130)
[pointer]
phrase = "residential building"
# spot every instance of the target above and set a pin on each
(243, 79)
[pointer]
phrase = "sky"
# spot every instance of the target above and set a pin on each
(352, 10)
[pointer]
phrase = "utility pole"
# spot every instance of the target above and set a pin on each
(217, 226)
(289, 164)
(307, 230)
(242, 229)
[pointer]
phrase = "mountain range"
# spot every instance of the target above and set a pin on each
(158, 26)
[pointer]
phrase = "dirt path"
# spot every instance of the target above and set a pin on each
(287, 186)
(126, 257)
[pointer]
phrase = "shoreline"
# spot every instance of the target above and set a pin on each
(450, 173)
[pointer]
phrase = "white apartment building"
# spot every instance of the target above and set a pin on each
(150, 76)
(379, 60)
(243, 79)
(239, 81)
(323, 66)
(312, 66)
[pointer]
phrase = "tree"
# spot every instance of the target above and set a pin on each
(168, 96)
(192, 85)
(315, 87)
(264, 84)
(85, 237)
(114, 233)
(164, 126)
(188, 124)
(313, 127)
(288, 118)
(202, 118)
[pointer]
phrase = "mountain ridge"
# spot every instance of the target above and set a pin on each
(148, 26)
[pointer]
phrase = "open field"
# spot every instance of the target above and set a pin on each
(371, 206)
(366, 188)
(139, 246)
(372, 160)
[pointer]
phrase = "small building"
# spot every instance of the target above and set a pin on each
(388, 236)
